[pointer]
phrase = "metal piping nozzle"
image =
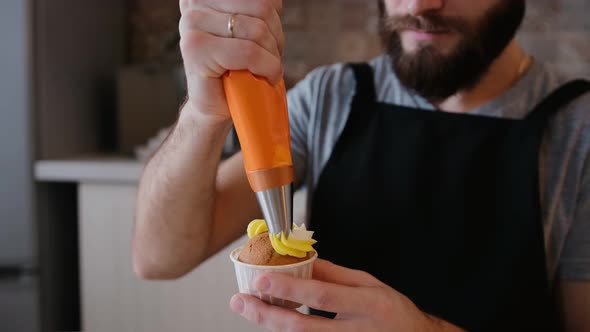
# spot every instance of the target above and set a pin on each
(277, 208)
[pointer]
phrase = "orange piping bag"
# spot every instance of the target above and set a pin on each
(259, 113)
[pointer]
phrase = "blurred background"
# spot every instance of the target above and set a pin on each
(87, 89)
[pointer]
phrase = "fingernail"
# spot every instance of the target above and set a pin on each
(263, 284)
(237, 304)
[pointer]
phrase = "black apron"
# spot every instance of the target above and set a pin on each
(443, 207)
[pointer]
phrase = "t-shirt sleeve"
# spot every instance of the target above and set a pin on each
(575, 258)
(313, 121)
(298, 100)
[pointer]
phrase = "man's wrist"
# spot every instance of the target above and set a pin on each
(191, 116)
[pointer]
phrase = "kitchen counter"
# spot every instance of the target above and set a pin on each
(112, 169)
(112, 297)
(103, 169)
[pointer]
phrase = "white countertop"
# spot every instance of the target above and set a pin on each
(103, 169)
(116, 170)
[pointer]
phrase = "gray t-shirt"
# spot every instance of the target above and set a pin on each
(319, 107)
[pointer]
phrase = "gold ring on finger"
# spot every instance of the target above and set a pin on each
(231, 26)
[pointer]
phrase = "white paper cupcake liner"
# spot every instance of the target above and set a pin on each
(246, 275)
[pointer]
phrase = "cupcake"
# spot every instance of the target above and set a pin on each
(266, 252)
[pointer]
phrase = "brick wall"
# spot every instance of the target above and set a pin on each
(558, 31)
(325, 31)
(328, 31)
(153, 28)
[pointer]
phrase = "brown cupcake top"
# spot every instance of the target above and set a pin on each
(259, 251)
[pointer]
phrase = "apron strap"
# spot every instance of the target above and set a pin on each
(559, 98)
(361, 110)
(365, 85)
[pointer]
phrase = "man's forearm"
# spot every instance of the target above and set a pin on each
(176, 198)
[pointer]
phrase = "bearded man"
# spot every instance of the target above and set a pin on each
(448, 179)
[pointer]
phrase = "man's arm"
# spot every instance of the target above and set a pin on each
(187, 209)
(574, 305)
(182, 214)
(572, 286)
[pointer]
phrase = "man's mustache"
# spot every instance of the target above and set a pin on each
(425, 23)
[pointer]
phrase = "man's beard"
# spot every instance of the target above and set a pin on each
(435, 76)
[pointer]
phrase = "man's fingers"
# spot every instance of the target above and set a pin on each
(212, 56)
(216, 23)
(276, 318)
(278, 4)
(192, 4)
(261, 9)
(317, 294)
(327, 271)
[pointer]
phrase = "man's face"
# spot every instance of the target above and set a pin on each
(439, 47)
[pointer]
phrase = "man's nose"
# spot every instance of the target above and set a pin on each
(421, 7)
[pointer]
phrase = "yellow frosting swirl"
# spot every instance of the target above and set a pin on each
(297, 244)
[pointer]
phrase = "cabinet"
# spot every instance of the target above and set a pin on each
(113, 299)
